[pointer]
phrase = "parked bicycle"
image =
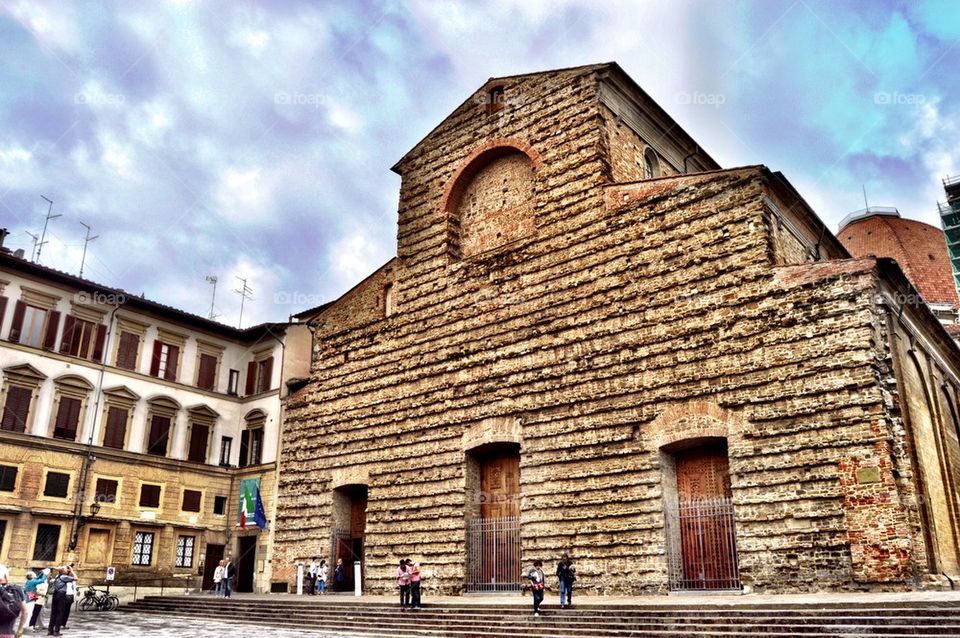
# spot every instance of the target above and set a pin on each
(98, 599)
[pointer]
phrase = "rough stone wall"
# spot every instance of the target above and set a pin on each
(496, 206)
(636, 316)
(626, 151)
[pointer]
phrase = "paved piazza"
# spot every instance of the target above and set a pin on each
(133, 625)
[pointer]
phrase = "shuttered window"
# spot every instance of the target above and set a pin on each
(207, 373)
(83, 338)
(127, 350)
(16, 409)
(8, 478)
(142, 548)
(149, 495)
(57, 485)
(264, 374)
(199, 437)
(68, 417)
(165, 359)
(191, 501)
(106, 491)
(251, 446)
(115, 432)
(159, 435)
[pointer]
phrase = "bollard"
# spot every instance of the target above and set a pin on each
(299, 579)
(356, 578)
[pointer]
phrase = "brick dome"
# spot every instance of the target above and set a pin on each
(919, 248)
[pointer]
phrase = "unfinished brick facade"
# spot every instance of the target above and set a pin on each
(615, 323)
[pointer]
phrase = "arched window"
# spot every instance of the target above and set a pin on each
(651, 164)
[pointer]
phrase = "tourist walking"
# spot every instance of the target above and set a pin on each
(218, 578)
(13, 606)
(41, 601)
(414, 569)
(338, 576)
(322, 577)
(403, 580)
(229, 571)
(567, 574)
(535, 575)
(312, 577)
(61, 606)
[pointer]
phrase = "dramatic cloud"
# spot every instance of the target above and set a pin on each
(254, 140)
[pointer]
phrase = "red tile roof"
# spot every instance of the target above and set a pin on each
(919, 248)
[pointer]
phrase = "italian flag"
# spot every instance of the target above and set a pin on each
(251, 505)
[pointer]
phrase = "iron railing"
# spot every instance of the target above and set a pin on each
(706, 556)
(493, 554)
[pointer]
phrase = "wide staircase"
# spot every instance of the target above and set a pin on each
(450, 619)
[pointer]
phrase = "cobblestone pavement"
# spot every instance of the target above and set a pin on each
(133, 625)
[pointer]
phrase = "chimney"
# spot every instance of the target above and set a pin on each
(3, 235)
(18, 253)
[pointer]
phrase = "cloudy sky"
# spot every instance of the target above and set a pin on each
(254, 139)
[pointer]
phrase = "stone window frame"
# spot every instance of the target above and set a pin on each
(126, 324)
(117, 397)
(203, 500)
(29, 378)
(5, 542)
(254, 420)
(171, 338)
(655, 170)
(61, 539)
(40, 300)
(109, 477)
(226, 504)
(475, 162)
(154, 545)
(212, 349)
(161, 406)
(71, 485)
(75, 387)
(193, 550)
(18, 481)
(201, 415)
(147, 508)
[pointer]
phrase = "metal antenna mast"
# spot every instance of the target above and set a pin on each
(86, 241)
(245, 292)
(36, 240)
(212, 279)
(46, 221)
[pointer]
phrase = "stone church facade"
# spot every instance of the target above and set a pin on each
(593, 340)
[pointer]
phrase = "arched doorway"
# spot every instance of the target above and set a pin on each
(701, 533)
(493, 518)
(349, 527)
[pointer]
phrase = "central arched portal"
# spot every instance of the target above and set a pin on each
(493, 518)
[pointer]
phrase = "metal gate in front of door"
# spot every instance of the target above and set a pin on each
(493, 554)
(706, 556)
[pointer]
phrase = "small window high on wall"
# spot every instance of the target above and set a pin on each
(651, 164)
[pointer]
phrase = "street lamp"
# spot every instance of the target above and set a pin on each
(81, 521)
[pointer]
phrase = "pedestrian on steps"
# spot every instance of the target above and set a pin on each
(536, 578)
(218, 579)
(312, 577)
(322, 577)
(229, 573)
(403, 580)
(339, 576)
(414, 569)
(567, 574)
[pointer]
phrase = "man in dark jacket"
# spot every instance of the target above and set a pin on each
(229, 573)
(61, 601)
(567, 573)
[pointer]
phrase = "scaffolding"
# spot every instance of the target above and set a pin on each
(950, 220)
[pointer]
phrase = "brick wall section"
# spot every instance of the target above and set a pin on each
(625, 150)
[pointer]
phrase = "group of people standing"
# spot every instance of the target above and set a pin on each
(566, 574)
(408, 578)
(23, 606)
(223, 577)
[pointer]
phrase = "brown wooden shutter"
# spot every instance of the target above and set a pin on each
(173, 357)
(3, 308)
(191, 501)
(266, 372)
(155, 362)
(159, 433)
(69, 327)
(206, 378)
(53, 327)
(116, 429)
(98, 345)
(251, 377)
(199, 435)
(16, 409)
(17, 326)
(127, 350)
(244, 448)
(68, 417)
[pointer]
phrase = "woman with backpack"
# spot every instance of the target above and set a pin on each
(13, 606)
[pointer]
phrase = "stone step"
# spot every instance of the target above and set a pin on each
(551, 625)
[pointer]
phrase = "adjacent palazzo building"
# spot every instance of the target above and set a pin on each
(126, 428)
(593, 340)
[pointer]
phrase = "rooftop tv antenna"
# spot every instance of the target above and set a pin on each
(46, 221)
(36, 240)
(86, 240)
(865, 203)
(212, 279)
(245, 292)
